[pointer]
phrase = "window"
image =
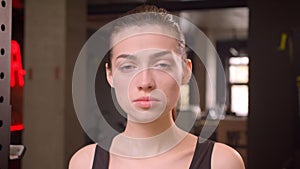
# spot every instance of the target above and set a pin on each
(238, 84)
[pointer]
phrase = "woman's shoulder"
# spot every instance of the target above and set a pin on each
(83, 158)
(226, 157)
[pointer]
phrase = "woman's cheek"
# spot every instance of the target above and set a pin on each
(121, 86)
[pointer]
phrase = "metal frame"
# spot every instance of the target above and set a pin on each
(5, 107)
(121, 7)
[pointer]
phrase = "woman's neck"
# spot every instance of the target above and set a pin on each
(142, 130)
(142, 140)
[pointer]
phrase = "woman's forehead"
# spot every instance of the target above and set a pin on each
(144, 41)
(132, 31)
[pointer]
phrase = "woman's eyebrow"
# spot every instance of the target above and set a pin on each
(132, 57)
(126, 56)
(162, 53)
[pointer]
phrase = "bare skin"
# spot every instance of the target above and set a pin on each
(181, 155)
(223, 157)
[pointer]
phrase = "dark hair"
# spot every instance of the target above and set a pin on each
(149, 15)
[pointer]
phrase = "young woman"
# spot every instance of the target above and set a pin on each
(146, 67)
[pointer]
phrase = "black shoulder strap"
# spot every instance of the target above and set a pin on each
(101, 158)
(201, 158)
(202, 155)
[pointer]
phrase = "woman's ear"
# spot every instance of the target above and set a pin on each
(109, 76)
(187, 71)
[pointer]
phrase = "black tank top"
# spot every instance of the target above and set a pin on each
(201, 157)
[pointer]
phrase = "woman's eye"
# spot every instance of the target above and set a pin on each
(127, 68)
(162, 65)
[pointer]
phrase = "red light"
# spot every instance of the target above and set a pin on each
(16, 69)
(17, 127)
(17, 84)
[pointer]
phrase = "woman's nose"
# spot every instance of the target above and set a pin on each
(145, 80)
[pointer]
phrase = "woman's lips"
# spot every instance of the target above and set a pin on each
(145, 102)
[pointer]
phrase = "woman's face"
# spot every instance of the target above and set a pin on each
(146, 73)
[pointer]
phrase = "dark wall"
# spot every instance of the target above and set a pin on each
(273, 116)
